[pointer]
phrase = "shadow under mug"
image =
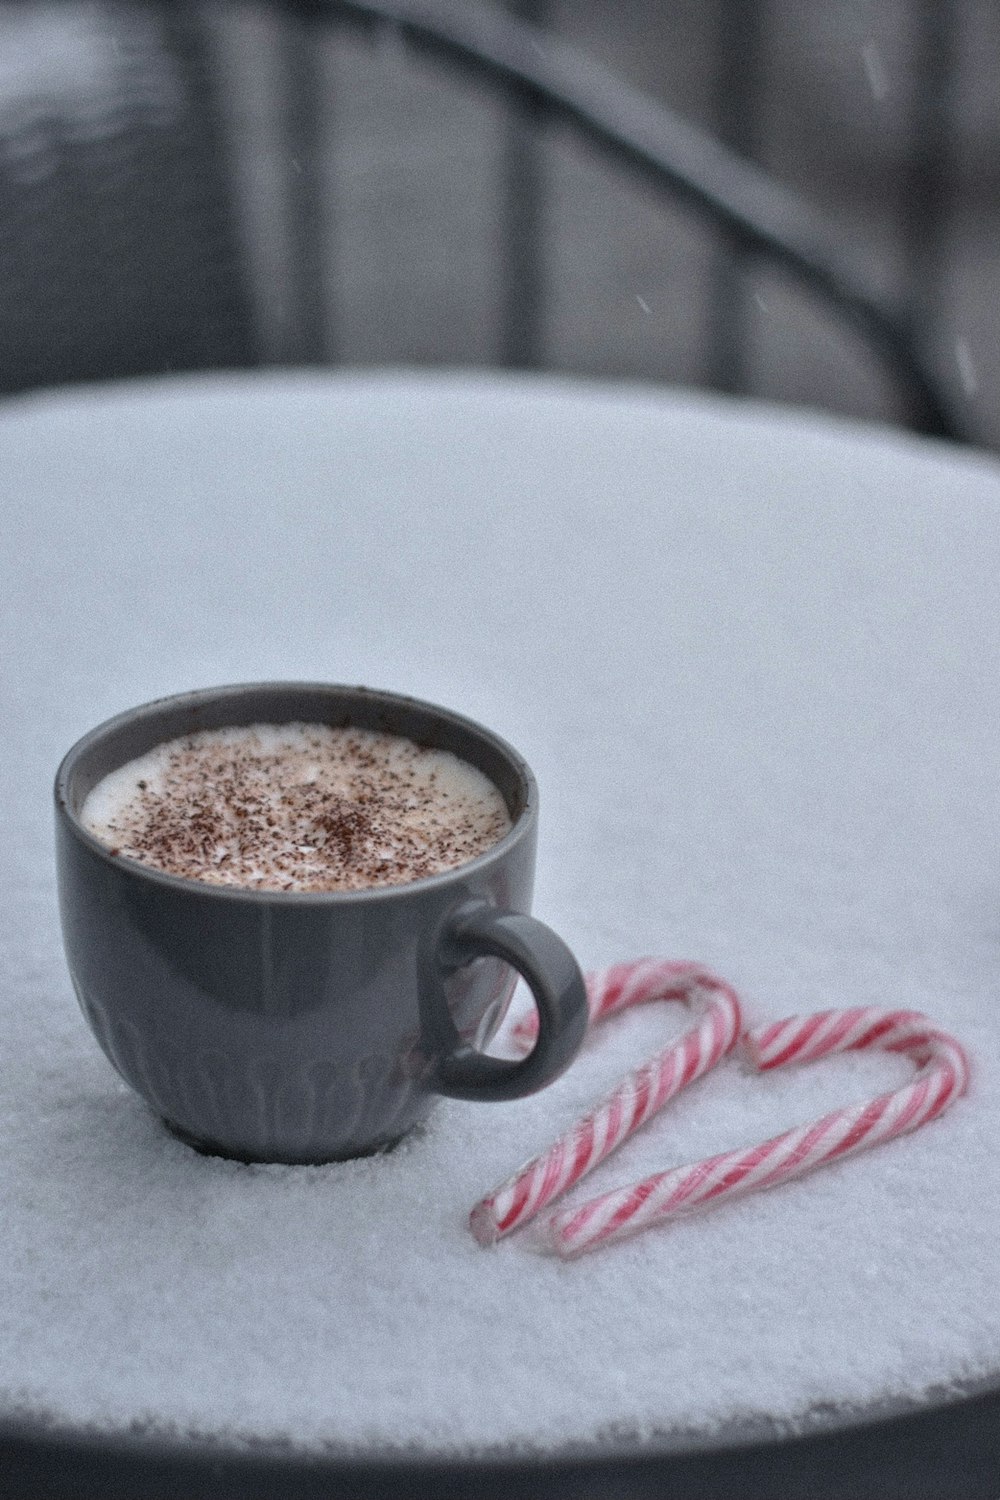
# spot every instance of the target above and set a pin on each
(309, 1026)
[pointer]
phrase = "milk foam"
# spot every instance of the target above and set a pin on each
(300, 807)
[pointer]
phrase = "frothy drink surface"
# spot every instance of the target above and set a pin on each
(297, 807)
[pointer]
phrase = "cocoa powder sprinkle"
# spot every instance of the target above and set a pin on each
(297, 808)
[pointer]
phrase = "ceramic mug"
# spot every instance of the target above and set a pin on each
(309, 1026)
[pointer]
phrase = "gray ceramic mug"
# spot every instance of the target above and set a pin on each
(309, 1027)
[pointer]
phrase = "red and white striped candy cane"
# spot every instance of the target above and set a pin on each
(943, 1076)
(635, 1099)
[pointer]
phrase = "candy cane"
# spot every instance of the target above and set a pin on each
(634, 1100)
(942, 1077)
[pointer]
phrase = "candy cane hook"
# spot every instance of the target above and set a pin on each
(943, 1077)
(634, 1100)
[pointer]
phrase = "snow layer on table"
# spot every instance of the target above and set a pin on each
(753, 660)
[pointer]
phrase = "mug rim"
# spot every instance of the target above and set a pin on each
(376, 696)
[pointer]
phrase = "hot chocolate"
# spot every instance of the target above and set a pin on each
(297, 807)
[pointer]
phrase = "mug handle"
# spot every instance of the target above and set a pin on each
(553, 976)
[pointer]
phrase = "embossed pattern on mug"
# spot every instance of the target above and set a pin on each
(327, 1109)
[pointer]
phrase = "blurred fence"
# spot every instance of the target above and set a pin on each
(375, 182)
(884, 113)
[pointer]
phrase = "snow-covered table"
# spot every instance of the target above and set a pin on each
(752, 657)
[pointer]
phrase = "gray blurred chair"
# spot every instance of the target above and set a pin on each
(124, 238)
(117, 249)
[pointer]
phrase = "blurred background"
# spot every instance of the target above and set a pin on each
(194, 184)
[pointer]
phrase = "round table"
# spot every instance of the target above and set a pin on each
(751, 655)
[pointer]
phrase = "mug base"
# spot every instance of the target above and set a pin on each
(289, 1159)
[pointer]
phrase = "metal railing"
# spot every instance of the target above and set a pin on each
(550, 78)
